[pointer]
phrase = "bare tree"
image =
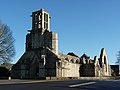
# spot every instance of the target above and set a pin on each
(7, 50)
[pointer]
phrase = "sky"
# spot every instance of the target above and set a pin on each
(83, 26)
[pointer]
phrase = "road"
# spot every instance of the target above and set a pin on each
(60, 85)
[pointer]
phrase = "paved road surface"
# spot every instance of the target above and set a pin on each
(60, 85)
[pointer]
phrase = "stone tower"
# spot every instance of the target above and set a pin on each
(40, 35)
(40, 21)
(40, 56)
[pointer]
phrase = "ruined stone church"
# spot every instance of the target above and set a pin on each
(41, 58)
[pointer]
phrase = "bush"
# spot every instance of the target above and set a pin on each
(4, 72)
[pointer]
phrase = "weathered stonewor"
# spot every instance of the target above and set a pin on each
(42, 59)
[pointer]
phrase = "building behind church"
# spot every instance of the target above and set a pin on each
(41, 58)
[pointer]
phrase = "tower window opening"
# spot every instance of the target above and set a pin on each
(45, 17)
(39, 26)
(35, 18)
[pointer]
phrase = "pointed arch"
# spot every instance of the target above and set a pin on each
(103, 56)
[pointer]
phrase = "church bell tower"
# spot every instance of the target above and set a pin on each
(40, 21)
(40, 35)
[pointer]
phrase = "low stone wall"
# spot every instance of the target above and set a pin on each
(3, 77)
(61, 78)
(79, 78)
(94, 78)
(69, 78)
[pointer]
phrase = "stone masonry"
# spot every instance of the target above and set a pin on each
(42, 59)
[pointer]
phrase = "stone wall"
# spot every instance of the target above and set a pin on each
(67, 69)
(87, 70)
